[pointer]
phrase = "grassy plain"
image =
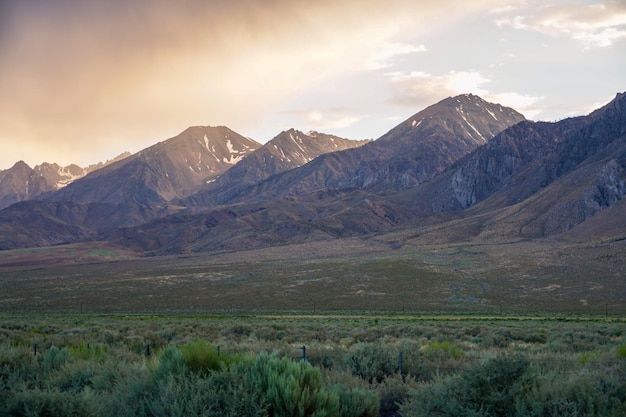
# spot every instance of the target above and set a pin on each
(394, 273)
(524, 328)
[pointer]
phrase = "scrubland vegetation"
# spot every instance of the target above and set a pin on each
(356, 365)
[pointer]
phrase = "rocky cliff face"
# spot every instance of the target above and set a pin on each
(547, 177)
(603, 189)
(479, 175)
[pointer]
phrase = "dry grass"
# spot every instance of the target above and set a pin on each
(340, 275)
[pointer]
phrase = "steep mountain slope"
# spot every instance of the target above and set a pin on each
(14, 184)
(431, 141)
(534, 179)
(299, 219)
(168, 170)
(41, 223)
(21, 182)
(288, 150)
(415, 151)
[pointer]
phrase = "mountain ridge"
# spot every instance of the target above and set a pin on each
(21, 182)
(458, 171)
(168, 170)
(404, 157)
(288, 150)
(530, 153)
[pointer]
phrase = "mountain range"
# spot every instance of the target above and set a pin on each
(21, 182)
(461, 170)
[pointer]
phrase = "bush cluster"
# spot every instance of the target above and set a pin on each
(352, 369)
(187, 381)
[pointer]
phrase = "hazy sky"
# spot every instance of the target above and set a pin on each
(82, 81)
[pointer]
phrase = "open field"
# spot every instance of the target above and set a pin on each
(390, 273)
(512, 329)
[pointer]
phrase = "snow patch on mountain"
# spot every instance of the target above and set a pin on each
(67, 177)
(492, 115)
(482, 138)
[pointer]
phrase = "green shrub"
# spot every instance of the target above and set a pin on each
(17, 365)
(201, 356)
(372, 361)
(325, 358)
(235, 393)
(621, 351)
(593, 391)
(130, 394)
(495, 385)
(228, 393)
(586, 357)
(86, 351)
(489, 389)
(358, 402)
(238, 331)
(52, 403)
(54, 358)
(171, 362)
(292, 389)
(393, 392)
(73, 377)
(442, 350)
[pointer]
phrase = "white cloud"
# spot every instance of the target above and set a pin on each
(420, 88)
(417, 89)
(588, 108)
(384, 56)
(594, 25)
(332, 118)
(526, 104)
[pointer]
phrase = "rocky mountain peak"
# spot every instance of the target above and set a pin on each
(430, 141)
(467, 117)
(290, 149)
(22, 182)
(171, 169)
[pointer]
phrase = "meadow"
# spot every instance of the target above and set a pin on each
(290, 364)
(363, 327)
(320, 277)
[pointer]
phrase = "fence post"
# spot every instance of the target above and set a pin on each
(35, 349)
(400, 363)
(304, 353)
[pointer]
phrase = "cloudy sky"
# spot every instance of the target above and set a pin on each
(82, 81)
